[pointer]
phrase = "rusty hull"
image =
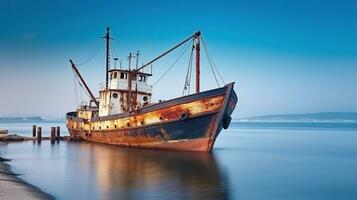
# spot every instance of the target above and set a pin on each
(189, 123)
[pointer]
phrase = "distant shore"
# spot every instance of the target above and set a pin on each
(12, 187)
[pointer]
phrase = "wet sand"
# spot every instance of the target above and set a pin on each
(12, 187)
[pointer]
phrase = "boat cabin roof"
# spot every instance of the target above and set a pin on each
(126, 71)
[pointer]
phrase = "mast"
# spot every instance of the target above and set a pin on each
(129, 83)
(83, 82)
(107, 60)
(197, 63)
(129, 59)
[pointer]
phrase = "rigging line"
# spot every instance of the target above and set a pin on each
(92, 54)
(214, 65)
(214, 74)
(188, 75)
(186, 88)
(189, 86)
(114, 50)
(83, 89)
(79, 95)
(211, 67)
(81, 92)
(185, 48)
(85, 92)
(75, 89)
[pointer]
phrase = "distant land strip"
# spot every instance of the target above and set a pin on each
(310, 117)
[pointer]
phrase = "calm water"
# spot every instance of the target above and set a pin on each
(249, 161)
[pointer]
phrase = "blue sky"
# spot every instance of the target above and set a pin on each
(285, 56)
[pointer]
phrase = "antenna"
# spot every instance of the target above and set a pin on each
(115, 63)
(129, 59)
(137, 59)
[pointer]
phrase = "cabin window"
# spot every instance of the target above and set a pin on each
(123, 75)
(115, 95)
(115, 75)
(142, 78)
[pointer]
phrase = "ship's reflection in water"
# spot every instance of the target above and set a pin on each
(149, 174)
(71, 170)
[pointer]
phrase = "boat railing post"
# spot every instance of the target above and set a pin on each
(58, 132)
(33, 131)
(39, 134)
(53, 134)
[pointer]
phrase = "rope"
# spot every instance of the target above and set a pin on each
(214, 74)
(75, 89)
(115, 51)
(92, 54)
(183, 51)
(76, 79)
(187, 85)
(212, 64)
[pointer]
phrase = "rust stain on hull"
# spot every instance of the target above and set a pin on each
(189, 126)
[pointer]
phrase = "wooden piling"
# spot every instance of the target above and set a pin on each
(39, 134)
(34, 131)
(53, 134)
(58, 131)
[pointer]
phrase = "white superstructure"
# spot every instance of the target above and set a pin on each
(114, 100)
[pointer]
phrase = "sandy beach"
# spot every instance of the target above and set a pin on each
(12, 187)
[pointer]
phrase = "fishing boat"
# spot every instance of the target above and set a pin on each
(125, 115)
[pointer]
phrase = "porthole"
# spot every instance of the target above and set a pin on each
(115, 95)
(145, 98)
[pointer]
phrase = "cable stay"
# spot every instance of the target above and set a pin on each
(195, 45)
(115, 53)
(187, 85)
(182, 51)
(75, 89)
(82, 83)
(212, 64)
(92, 53)
(78, 98)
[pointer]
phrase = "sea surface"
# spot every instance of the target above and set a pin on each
(249, 161)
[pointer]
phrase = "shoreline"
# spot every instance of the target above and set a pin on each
(13, 187)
